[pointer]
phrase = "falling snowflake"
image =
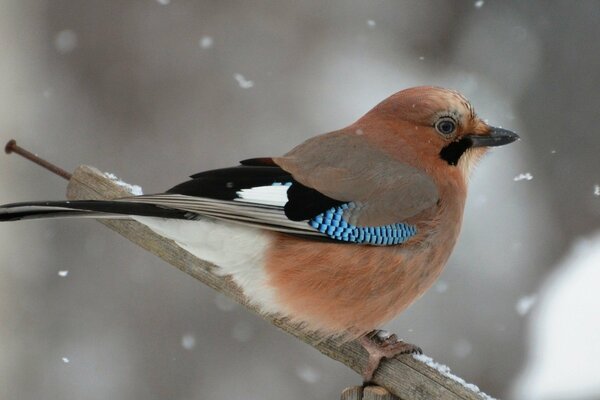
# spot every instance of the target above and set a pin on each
(163, 2)
(596, 190)
(63, 273)
(308, 374)
(480, 200)
(479, 3)
(188, 341)
(462, 348)
(66, 360)
(224, 303)
(371, 23)
(441, 287)
(243, 82)
(525, 303)
(206, 42)
(65, 41)
(523, 177)
(242, 331)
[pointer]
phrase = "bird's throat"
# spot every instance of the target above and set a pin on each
(454, 151)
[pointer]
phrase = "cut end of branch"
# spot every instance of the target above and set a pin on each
(10, 146)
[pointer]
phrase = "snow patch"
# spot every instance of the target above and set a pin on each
(133, 189)
(445, 370)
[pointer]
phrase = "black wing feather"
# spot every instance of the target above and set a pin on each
(223, 184)
(303, 203)
(259, 162)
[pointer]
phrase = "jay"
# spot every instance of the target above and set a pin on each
(340, 234)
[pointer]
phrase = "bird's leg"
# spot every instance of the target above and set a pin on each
(381, 344)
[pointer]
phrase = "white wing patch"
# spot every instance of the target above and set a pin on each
(272, 195)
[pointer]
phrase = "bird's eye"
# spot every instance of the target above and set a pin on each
(446, 126)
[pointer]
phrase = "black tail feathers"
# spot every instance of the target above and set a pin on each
(86, 208)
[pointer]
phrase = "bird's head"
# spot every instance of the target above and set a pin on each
(432, 126)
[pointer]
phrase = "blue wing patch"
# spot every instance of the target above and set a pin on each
(332, 224)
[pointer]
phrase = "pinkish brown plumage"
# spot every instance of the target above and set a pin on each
(396, 178)
(347, 289)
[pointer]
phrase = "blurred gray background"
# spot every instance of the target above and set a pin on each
(155, 90)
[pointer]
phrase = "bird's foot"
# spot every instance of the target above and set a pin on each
(381, 344)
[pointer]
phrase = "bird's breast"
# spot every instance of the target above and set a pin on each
(334, 288)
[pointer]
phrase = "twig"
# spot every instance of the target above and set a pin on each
(12, 147)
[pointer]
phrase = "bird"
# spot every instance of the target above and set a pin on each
(340, 234)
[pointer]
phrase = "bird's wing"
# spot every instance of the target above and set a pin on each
(253, 193)
(338, 200)
(345, 167)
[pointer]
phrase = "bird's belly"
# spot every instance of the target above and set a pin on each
(238, 250)
(332, 288)
(337, 288)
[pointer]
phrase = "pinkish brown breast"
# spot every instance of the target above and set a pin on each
(352, 289)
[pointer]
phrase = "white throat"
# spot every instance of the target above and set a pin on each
(469, 159)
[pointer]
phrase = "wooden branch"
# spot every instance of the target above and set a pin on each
(352, 393)
(405, 377)
(367, 393)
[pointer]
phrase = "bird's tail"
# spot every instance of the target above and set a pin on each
(163, 205)
(86, 208)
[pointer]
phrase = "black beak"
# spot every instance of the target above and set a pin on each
(496, 137)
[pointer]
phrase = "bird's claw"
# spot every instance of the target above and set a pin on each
(381, 344)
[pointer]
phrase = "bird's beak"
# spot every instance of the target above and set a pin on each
(494, 137)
